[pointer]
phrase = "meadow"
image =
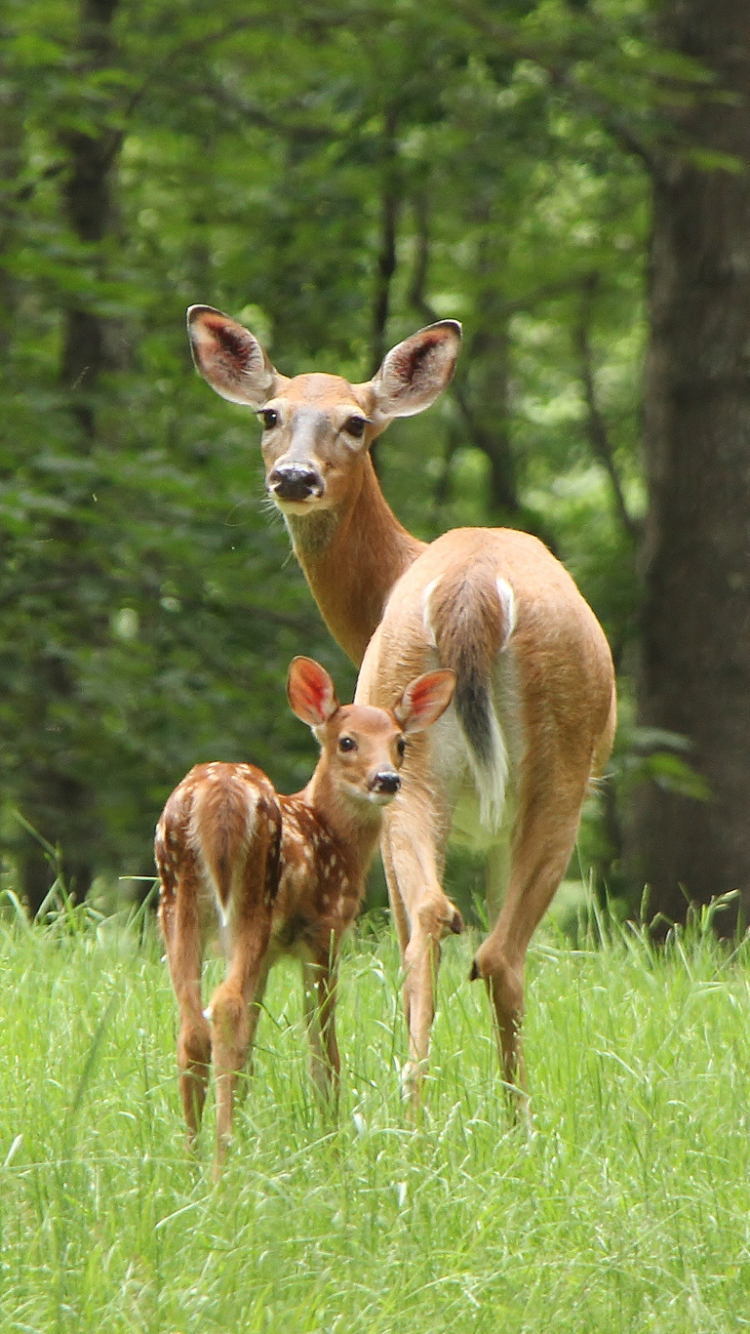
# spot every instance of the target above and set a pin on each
(625, 1208)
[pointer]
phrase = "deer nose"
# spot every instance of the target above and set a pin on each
(386, 781)
(292, 481)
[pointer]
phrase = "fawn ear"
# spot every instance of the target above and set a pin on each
(415, 372)
(311, 692)
(424, 700)
(230, 358)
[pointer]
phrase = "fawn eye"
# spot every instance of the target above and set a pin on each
(355, 426)
(347, 743)
(269, 418)
(401, 746)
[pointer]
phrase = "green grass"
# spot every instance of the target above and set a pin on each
(627, 1209)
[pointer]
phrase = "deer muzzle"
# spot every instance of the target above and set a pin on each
(385, 783)
(294, 482)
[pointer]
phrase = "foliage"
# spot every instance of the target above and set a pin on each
(335, 176)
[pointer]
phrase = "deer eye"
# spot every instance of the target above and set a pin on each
(401, 746)
(347, 743)
(269, 418)
(355, 426)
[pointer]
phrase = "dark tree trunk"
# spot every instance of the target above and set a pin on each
(695, 669)
(385, 267)
(55, 802)
(487, 412)
(87, 197)
(488, 419)
(11, 162)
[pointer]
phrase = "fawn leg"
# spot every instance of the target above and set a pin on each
(180, 921)
(234, 1017)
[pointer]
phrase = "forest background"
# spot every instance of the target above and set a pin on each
(567, 178)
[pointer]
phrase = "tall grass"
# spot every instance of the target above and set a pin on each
(626, 1209)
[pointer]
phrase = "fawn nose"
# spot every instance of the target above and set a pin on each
(387, 782)
(292, 481)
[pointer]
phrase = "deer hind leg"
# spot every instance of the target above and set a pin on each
(235, 1004)
(233, 1021)
(423, 914)
(540, 855)
(180, 920)
(319, 983)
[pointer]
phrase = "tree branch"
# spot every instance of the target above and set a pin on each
(601, 445)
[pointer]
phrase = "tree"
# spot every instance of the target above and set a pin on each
(695, 661)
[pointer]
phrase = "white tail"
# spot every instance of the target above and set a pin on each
(280, 875)
(535, 709)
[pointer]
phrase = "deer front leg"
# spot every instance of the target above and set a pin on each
(412, 862)
(178, 912)
(253, 1017)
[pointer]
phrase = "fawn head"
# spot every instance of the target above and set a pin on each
(363, 748)
(318, 428)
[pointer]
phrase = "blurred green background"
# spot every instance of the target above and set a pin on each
(334, 176)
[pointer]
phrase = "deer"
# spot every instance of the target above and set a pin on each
(278, 875)
(532, 721)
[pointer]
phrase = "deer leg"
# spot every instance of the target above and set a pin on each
(413, 865)
(253, 1017)
(319, 982)
(541, 852)
(180, 921)
(234, 1017)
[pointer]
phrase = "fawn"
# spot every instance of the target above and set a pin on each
(283, 875)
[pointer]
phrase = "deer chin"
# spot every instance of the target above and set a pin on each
(311, 504)
(366, 796)
(295, 506)
(379, 798)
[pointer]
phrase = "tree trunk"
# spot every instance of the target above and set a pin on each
(695, 667)
(11, 162)
(87, 196)
(385, 264)
(55, 802)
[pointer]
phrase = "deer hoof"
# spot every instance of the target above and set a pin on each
(474, 973)
(457, 923)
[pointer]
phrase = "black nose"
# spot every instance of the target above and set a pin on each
(386, 781)
(292, 482)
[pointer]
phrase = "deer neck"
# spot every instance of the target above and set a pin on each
(354, 826)
(351, 556)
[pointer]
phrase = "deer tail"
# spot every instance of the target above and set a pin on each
(233, 820)
(469, 615)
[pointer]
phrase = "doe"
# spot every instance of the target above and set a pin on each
(282, 874)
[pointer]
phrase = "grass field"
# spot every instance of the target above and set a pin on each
(626, 1209)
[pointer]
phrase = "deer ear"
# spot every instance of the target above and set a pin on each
(424, 700)
(416, 371)
(230, 358)
(311, 692)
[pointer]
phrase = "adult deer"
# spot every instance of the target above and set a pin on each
(280, 875)
(534, 712)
